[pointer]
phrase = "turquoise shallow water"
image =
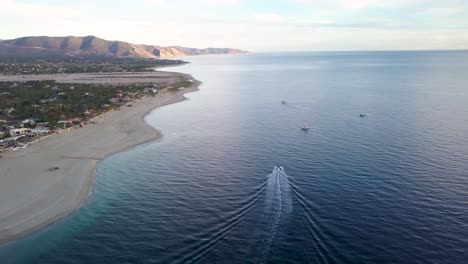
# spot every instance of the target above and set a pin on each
(390, 187)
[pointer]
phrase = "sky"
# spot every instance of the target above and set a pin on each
(254, 25)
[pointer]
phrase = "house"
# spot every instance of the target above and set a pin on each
(31, 121)
(69, 122)
(19, 131)
(9, 111)
(40, 131)
(75, 120)
(42, 125)
(150, 90)
(62, 122)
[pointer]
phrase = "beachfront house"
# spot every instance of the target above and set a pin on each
(70, 122)
(75, 121)
(19, 131)
(40, 131)
(63, 123)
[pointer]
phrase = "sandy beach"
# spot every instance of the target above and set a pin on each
(34, 195)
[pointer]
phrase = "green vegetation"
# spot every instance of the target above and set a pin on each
(50, 105)
(96, 65)
(48, 101)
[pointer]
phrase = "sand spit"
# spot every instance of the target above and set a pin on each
(33, 194)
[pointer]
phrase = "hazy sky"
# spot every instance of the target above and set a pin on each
(255, 25)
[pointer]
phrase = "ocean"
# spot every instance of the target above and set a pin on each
(389, 187)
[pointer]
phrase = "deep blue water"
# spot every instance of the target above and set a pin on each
(390, 187)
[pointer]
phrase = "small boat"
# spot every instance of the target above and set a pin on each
(278, 169)
(305, 127)
(362, 115)
(283, 102)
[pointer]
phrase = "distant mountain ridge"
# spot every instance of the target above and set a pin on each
(89, 45)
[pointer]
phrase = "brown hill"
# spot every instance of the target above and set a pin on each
(93, 45)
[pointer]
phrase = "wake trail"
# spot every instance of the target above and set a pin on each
(296, 107)
(326, 251)
(212, 237)
(278, 203)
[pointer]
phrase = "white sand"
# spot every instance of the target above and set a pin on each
(32, 196)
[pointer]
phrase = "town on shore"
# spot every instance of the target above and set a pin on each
(31, 110)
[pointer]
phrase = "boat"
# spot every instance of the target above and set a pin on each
(305, 127)
(279, 169)
(362, 115)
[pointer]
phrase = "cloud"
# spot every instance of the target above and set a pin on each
(269, 17)
(446, 11)
(361, 4)
(154, 2)
(32, 10)
(222, 2)
(253, 25)
(207, 2)
(356, 4)
(325, 22)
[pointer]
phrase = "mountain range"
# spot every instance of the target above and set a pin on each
(91, 45)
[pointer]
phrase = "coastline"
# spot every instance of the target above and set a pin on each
(32, 196)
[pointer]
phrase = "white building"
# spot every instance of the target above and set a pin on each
(40, 131)
(31, 121)
(19, 131)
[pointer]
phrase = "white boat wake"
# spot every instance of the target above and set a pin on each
(278, 204)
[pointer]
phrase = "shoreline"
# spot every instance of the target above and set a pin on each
(54, 195)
